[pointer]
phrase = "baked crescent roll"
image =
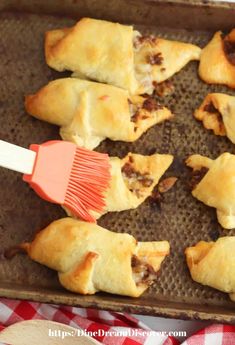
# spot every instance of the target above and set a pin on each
(217, 63)
(212, 264)
(157, 59)
(89, 112)
(214, 184)
(217, 112)
(133, 179)
(116, 54)
(89, 258)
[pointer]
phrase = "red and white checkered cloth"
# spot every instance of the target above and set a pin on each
(12, 311)
(213, 335)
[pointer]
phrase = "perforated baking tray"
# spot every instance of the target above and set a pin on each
(181, 220)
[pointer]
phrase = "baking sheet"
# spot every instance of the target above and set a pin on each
(181, 219)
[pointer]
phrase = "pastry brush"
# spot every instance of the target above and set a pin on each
(62, 173)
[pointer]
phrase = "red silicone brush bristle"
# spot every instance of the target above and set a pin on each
(89, 179)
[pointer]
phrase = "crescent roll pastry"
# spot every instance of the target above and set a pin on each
(217, 63)
(217, 112)
(89, 258)
(133, 179)
(116, 54)
(212, 264)
(89, 112)
(157, 59)
(214, 184)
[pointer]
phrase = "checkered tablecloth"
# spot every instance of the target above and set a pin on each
(12, 311)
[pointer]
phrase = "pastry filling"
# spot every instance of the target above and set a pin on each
(139, 40)
(142, 272)
(210, 108)
(163, 89)
(138, 111)
(229, 49)
(150, 104)
(197, 176)
(155, 59)
(145, 58)
(133, 110)
(134, 179)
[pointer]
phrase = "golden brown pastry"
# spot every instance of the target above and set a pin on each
(89, 112)
(213, 264)
(89, 258)
(217, 63)
(217, 112)
(157, 59)
(214, 184)
(115, 54)
(133, 179)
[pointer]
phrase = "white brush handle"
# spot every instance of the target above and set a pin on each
(16, 158)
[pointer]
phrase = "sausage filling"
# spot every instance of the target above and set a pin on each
(141, 111)
(210, 108)
(229, 49)
(134, 179)
(197, 176)
(142, 272)
(146, 58)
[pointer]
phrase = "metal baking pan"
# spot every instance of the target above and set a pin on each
(181, 219)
